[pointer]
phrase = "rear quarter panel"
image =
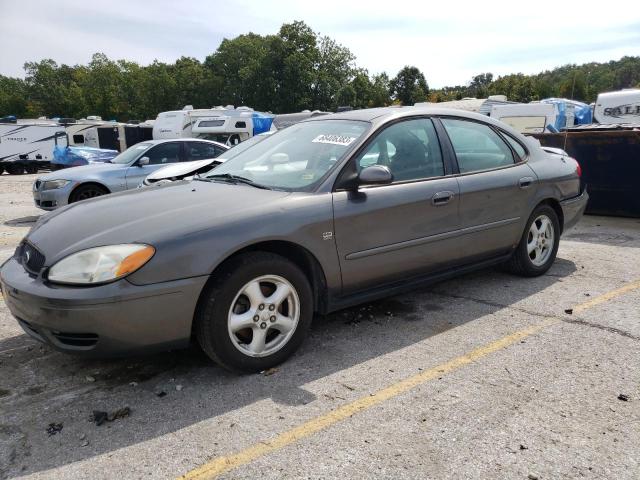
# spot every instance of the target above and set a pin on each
(557, 177)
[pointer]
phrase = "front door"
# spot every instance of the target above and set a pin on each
(392, 232)
(159, 156)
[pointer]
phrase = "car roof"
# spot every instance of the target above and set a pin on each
(384, 114)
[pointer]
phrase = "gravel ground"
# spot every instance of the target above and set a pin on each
(563, 402)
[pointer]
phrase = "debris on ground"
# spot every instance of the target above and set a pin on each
(269, 371)
(161, 394)
(624, 397)
(54, 428)
(523, 447)
(133, 384)
(89, 378)
(179, 387)
(100, 417)
(569, 311)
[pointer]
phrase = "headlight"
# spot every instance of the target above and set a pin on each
(101, 264)
(55, 184)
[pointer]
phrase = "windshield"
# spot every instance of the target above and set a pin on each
(131, 153)
(241, 147)
(294, 159)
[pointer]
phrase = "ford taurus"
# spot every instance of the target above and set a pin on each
(331, 212)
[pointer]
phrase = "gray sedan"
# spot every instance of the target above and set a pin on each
(124, 172)
(328, 213)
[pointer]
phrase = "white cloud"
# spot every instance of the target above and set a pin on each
(448, 41)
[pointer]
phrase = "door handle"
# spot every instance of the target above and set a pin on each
(442, 198)
(525, 182)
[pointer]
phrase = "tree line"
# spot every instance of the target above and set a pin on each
(290, 71)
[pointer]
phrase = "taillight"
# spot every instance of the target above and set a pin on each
(578, 169)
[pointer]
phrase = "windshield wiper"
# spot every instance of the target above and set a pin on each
(232, 179)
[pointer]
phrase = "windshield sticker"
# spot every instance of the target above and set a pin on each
(334, 139)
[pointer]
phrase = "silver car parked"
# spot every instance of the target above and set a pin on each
(124, 172)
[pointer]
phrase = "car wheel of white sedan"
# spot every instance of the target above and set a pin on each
(255, 313)
(538, 246)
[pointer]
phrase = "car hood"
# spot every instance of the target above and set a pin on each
(79, 173)
(180, 169)
(150, 216)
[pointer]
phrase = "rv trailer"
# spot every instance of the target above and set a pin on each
(618, 107)
(227, 125)
(27, 147)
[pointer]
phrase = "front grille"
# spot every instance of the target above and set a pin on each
(30, 257)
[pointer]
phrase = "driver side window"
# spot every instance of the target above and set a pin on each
(410, 149)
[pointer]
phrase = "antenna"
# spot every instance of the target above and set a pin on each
(566, 127)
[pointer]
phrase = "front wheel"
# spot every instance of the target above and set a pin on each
(85, 192)
(538, 246)
(255, 313)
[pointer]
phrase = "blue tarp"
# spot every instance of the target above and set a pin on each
(261, 122)
(77, 156)
(582, 112)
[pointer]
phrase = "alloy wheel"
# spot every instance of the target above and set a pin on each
(263, 316)
(540, 240)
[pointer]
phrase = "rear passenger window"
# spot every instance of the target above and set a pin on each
(410, 149)
(477, 146)
(519, 149)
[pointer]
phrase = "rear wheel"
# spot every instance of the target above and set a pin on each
(255, 313)
(15, 169)
(538, 246)
(31, 169)
(84, 192)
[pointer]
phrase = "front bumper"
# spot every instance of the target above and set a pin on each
(573, 209)
(118, 318)
(52, 199)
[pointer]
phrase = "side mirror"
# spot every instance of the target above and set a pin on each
(143, 161)
(375, 175)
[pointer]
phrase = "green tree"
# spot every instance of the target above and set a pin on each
(409, 86)
(380, 86)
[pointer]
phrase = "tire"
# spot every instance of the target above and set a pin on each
(225, 299)
(31, 169)
(85, 192)
(1, 169)
(529, 263)
(15, 169)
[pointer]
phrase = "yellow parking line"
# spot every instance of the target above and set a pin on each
(605, 297)
(220, 465)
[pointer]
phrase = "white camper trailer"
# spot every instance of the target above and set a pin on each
(26, 147)
(227, 125)
(618, 107)
(117, 136)
(526, 117)
(78, 131)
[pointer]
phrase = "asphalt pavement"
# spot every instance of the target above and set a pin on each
(485, 376)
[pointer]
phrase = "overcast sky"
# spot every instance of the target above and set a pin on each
(449, 41)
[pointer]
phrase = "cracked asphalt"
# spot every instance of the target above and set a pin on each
(560, 402)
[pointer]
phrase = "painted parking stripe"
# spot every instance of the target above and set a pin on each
(223, 464)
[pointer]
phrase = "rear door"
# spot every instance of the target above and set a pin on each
(392, 232)
(159, 156)
(496, 186)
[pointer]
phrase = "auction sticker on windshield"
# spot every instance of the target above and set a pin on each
(334, 139)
